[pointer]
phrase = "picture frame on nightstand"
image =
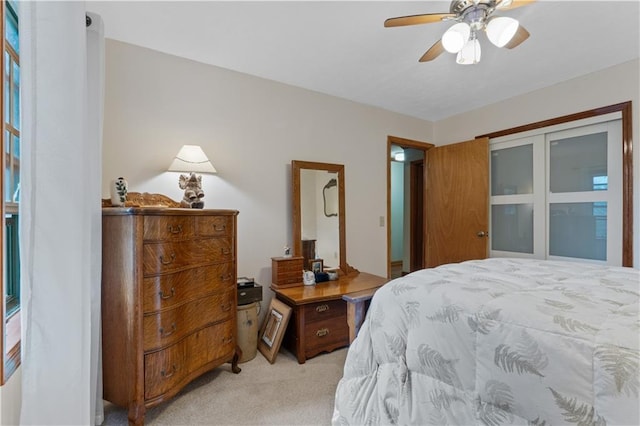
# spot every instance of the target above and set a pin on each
(273, 328)
(316, 265)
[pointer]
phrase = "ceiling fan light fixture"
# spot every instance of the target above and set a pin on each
(470, 53)
(454, 39)
(500, 30)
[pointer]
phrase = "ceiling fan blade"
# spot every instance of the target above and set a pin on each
(514, 4)
(433, 52)
(427, 18)
(521, 35)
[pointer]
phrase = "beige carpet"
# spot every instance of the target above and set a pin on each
(283, 393)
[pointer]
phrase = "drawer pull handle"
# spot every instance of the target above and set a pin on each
(226, 277)
(322, 332)
(322, 308)
(226, 251)
(168, 333)
(219, 227)
(226, 307)
(168, 296)
(167, 262)
(226, 340)
(166, 375)
(175, 229)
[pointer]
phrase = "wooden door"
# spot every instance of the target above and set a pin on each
(457, 202)
(416, 226)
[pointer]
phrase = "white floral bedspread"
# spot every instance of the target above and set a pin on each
(498, 342)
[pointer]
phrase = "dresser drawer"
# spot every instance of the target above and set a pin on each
(164, 291)
(294, 264)
(288, 278)
(163, 370)
(166, 228)
(324, 310)
(167, 327)
(166, 368)
(326, 334)
(214, 226)
(210, 344)
(174, 256)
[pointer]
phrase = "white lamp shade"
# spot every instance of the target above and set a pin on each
(500, 30)
(191, 158)
(470, 53)
(454, 39)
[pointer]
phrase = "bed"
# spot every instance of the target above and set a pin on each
(497, 342)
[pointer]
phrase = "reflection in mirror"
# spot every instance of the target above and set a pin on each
(330, 198)
(318, 213)
(319, 232)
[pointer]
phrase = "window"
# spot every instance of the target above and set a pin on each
(11, 190)
(558, 194)
(600, 207)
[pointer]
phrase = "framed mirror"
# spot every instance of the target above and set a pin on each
(318, 214)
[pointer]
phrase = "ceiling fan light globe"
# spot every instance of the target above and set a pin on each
(454, 39)
(501, 29)
(470, 53)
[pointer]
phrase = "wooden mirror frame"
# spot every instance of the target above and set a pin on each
(296, 216)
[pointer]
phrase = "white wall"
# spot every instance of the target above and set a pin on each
(11, 399)
(607, 87)
(397, 211)
(251, 129)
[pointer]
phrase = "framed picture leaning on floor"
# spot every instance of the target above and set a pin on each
(273, 328)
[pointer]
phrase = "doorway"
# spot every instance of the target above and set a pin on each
(405, 205)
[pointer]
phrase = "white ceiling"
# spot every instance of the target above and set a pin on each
(342, 49)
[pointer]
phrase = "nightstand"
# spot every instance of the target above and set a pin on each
(319, 321)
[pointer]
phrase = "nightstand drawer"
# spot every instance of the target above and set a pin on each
(325, 335)
(325, 310)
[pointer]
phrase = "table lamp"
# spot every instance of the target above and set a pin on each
(191, 159)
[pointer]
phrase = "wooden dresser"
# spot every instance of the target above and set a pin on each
(319, 318)
(168, 301)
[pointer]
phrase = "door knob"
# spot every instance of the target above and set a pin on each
(482, 234)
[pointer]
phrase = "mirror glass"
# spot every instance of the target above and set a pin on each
(330, 198)
(318, 213)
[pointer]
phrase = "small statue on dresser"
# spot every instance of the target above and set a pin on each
(193, 193)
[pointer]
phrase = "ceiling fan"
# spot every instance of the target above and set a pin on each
(471, 16)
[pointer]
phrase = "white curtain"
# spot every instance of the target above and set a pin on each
(60, 217)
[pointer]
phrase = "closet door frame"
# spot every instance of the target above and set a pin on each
(625, 113)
